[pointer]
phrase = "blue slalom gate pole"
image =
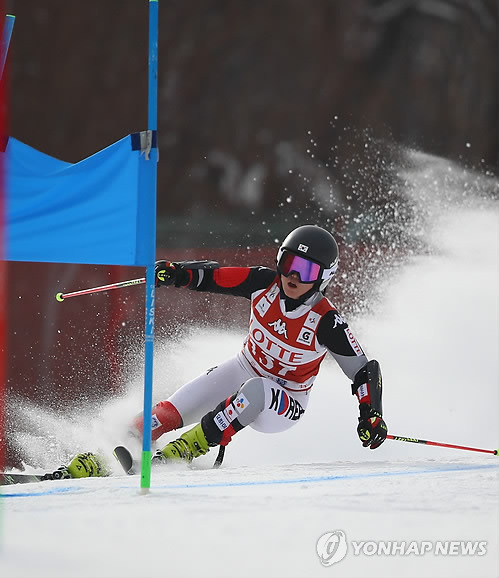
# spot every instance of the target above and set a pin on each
(145, 481)
(6, 36)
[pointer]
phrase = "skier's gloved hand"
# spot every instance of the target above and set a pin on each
(167, 273)
(372, 429)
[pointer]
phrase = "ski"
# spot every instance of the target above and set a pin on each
(125, 459)
(8, 479)
(121, 453)
(130, 466)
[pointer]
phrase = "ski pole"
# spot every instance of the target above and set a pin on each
(6, 37)
(203, 264)
(428, 443)
(61, 296)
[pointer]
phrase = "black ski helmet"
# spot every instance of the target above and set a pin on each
(315, 244)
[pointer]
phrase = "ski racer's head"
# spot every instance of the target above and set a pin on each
(307, 260)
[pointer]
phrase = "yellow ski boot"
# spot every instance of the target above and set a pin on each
(189, 445)
(87, 466)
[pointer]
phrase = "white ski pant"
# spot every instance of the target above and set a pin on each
(269, 409)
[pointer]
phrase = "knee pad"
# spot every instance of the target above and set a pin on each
(250, 400)
(234, 413)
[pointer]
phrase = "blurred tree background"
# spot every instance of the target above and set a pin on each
(270, 113)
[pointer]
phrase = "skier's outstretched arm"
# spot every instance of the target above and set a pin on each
(336, 335)
(208, 276)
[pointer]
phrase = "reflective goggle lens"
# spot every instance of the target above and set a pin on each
(308, 271)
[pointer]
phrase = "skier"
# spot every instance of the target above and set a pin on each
(267, 384)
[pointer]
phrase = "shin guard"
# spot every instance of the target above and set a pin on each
(165, 418)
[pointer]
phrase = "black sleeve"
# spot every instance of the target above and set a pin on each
(238, 281)
(335, 334)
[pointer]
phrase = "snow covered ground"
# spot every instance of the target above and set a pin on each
(264, 511)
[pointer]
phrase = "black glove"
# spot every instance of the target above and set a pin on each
(372, 429)
(166, 273)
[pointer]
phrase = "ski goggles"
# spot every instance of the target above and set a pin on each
(308, 271)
